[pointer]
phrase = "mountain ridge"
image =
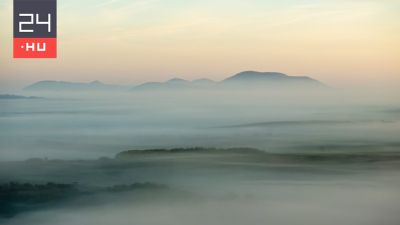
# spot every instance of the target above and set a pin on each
(272, 77)
(242, 80)
(13, 97)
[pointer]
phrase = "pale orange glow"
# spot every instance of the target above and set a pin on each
(340, 43)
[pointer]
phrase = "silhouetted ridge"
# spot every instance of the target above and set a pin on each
(269, 78)
(197, 150)
(242, 80)
(254, 75)
(321, 155)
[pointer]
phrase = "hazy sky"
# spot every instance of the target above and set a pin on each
(131, 41)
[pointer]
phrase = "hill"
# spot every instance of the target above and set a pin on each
(254, 78)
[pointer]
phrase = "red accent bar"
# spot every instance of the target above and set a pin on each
(35, 47)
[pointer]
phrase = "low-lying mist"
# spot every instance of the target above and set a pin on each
(313, 207)
(216, 187)
(90, 125)
(324, 157)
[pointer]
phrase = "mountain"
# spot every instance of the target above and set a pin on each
(50, 85)
(244, 80)
(203, 82)
(254, 78)
(170, 84)
(175, 84)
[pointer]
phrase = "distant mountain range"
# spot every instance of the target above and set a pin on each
(243, 80)
(176, 84)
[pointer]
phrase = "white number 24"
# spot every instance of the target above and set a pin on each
(31, 22)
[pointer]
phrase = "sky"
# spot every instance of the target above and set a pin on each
(341, 42)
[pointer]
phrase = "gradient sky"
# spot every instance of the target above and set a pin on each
(341, 42)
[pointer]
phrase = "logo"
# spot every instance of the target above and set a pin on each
(35, 28)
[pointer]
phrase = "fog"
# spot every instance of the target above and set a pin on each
(90, 125)
(325, 157)
(314, 207)
(215, 190)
